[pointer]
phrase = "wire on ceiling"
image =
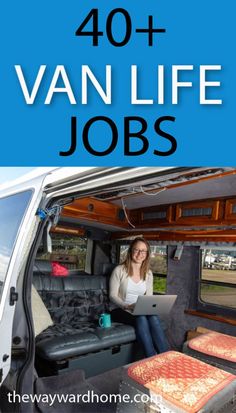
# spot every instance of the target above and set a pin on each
(125, 212)
(152, 193)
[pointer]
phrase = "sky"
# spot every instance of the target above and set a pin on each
(10, 173)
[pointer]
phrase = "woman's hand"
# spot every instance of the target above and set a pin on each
(129, 307)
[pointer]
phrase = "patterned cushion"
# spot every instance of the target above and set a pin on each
(216, 345)
(182, 380)
(71, 306)
(74, 298)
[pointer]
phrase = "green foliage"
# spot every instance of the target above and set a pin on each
(159, 284)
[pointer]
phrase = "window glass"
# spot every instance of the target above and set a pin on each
(218, 278)
(158, 265)
(12, 209)
(159, 284)
(219, 295)
(68, 250)
(123, 253)
(158, 262)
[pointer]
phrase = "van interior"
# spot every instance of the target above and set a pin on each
(188, 215)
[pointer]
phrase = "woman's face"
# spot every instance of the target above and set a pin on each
(139, 252)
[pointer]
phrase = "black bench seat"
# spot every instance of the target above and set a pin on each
(75, 303)
(61, 341)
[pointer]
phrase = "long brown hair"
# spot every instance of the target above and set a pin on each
(145, 264)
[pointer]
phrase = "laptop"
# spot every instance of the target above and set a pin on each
(154, 305)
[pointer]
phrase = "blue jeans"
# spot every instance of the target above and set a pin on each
(151, 335)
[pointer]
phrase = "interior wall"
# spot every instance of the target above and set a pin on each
(182, 276)
(102, 253)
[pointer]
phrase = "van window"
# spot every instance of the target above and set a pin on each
(12, 209)
(158, 265)
(218, 277)
(67, 249)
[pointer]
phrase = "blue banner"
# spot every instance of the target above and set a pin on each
(117, 83)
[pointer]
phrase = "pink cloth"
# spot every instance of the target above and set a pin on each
(59, 270)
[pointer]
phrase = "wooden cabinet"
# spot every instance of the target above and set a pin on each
(192, 213)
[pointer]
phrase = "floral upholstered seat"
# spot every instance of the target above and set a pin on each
(214, 348)
(182, 384)
(216, 345)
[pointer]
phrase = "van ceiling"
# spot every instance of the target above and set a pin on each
(204, 183)
(174, 187)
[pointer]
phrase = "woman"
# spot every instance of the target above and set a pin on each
(128, 281)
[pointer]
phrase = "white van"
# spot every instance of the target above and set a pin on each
(63, 230)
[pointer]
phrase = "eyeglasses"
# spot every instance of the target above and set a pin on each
(137, 251)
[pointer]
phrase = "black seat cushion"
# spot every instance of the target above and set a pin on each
(62, 341)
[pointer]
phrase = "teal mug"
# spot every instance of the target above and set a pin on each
(105, 320)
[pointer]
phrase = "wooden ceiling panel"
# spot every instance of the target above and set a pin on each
(94, 210)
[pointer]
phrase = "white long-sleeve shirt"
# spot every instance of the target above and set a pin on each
(119, 282)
